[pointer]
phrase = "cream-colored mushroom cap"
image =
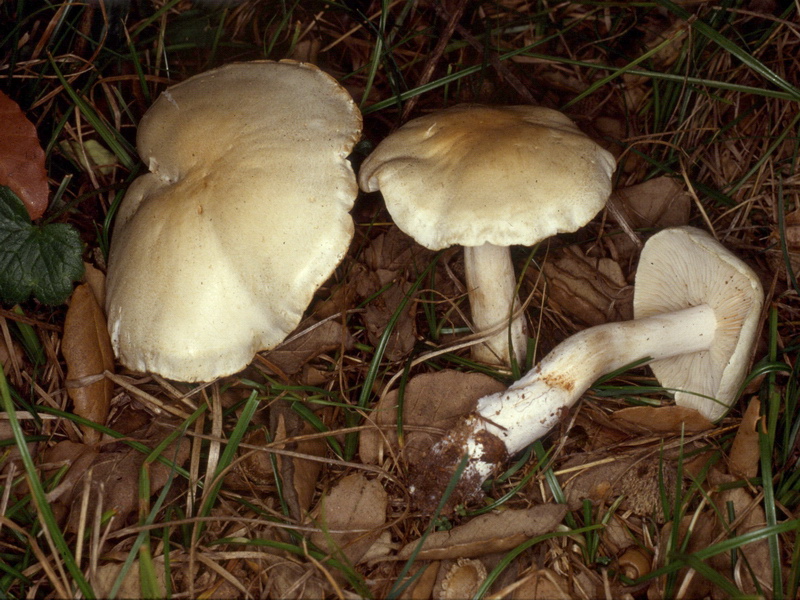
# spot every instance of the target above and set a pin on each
(217, 252)
(473, 174)
(685, 267)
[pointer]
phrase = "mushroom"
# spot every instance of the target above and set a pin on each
(486, 178)
(218, 250)
(696, 309)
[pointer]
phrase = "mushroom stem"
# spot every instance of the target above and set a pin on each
(506, 422)
(493, 301)
(530, 407)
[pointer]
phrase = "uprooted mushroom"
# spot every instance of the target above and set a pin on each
(696, 314)
(218, 250)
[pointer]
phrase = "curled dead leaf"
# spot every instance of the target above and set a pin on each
(422, 587)
(752, 559)
(78, 457)
(390, 263)
(303, 474)
(488, 533)
(745, 453)
(292, 581)
(661, 419)
(87, 351)
(379, 313)
(11, 454)
(701, 536)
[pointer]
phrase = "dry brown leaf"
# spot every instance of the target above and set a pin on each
(15, 353)
(609, 132)
(78, 457)
(422, 588)
(380, 311)
(106, 574)
(756, 554)
(395, 251)
(745, 454)
(115, 472)
(702, 536)
(356, 505)
(325, 337)
(638, 475)
(434, 401)
(303, 474)
(291, 581)
(791, 224)
(391, 260)
(87, 350)
(660, 202)
(96, 280)
(489, 533)
(22, 158)
(9, 454)
(299, 476)
(254, 470)
(590, 290)
(661, 419)
(542, 584)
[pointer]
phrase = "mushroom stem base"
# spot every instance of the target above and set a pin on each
(533, 405)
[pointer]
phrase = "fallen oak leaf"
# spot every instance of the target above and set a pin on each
(22, 158)
(42, 261)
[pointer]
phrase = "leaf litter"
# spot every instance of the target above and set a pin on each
(87, 351)
(604, 451)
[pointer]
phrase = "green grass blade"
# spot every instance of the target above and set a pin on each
(112, 138)
(753, 63)
(39, 496)
(229, 453)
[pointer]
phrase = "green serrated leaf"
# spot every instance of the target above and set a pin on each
(38, 260)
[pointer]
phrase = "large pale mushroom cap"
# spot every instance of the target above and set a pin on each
(218, 250)
(684, 267)
(473, 174)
